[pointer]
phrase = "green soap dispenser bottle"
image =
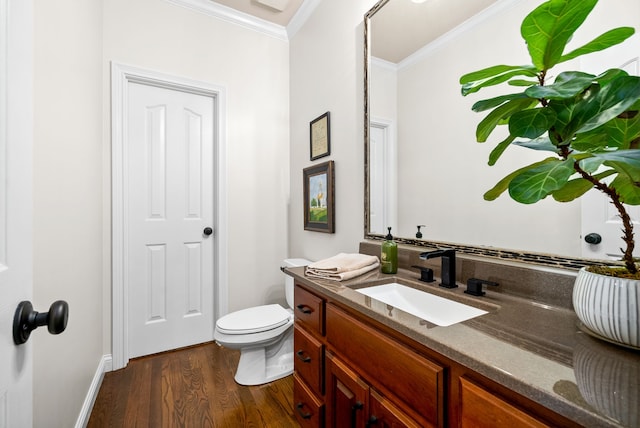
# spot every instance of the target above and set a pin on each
(389, 254)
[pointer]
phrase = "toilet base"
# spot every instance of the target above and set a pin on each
(265, 364)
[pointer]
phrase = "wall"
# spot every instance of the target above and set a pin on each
(75, 42)
(326, 62)
(253, 68)
(68, 166)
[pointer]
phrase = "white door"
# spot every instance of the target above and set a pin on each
(382, 177)
(599, 216)
(170, 206)
(15, 207)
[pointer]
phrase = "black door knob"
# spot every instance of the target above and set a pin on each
(207, 231)
(593, 238)
(26, 320)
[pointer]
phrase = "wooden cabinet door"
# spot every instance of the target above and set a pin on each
(347, 395)
(480, 408)
(309, 410)
(384, 414)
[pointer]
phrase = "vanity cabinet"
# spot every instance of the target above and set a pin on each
(353, 371)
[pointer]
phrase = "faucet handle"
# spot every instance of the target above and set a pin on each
(426, 274)
(474, 286)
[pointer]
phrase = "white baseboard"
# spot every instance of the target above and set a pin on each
(105, 365)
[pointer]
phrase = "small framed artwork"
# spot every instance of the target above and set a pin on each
(320, 137)
(318, 198)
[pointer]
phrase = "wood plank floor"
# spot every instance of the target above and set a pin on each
(191, 387)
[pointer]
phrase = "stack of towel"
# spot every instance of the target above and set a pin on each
(342, 266)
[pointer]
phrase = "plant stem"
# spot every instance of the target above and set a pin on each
(627, 257)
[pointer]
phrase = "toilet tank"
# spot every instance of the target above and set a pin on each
(288, 281)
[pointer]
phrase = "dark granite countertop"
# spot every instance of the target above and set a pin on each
(534, 348)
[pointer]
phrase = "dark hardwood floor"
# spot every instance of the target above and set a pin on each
(191, 387)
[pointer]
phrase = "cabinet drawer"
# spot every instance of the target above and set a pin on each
(309, 410)
(389, 365)
(309, 309)
(481, 408)
(308, 360)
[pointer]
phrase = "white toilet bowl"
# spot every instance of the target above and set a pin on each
(264, 336)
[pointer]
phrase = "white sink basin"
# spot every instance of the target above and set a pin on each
(435, 309)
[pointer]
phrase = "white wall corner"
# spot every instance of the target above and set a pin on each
(301, 16)
(105, 365)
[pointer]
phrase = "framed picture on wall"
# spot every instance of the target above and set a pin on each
(320, 137)
(319, 205)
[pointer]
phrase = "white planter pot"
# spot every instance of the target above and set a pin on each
(608, 306)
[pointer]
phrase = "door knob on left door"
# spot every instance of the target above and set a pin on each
(26, 320)
(207, 231)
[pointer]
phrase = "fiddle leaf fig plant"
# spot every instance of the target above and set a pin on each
(589, 124)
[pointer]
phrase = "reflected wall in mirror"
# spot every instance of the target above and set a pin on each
(424, 166)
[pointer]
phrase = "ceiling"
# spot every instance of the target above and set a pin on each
(400, 28)
(279, 12)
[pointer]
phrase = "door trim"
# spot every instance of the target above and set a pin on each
(121, 76)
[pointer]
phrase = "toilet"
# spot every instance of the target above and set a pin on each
(264, 336)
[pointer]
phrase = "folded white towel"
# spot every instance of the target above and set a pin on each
(342, 266)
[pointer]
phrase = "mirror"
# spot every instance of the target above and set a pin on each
(424, 166)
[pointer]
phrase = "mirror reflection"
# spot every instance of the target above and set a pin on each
(425, 167)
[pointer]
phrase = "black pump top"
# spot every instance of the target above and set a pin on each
(388, 237)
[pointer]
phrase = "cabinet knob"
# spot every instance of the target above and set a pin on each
(304, 309)
(301, 412)
(372, 421)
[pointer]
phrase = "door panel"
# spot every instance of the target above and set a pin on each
(16, 125)
(170, 203)
(347, 395)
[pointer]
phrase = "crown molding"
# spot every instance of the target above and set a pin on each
(233, 16)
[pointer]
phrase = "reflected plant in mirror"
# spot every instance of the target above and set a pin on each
(590, 124)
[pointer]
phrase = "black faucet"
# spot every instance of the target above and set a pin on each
(448, 271)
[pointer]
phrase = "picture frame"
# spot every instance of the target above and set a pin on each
(320, 137)
(319, 206)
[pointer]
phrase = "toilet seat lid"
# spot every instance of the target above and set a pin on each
(254, 320)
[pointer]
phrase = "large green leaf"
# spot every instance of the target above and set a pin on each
(626, 162)
(489, 123)
(548, 28)
(618, 133)
(536, 183)
(604, 41)
(567, 85)
(542, 143)
(503, 184)
(499, 149)
(494, 102)
(473, 82)
(531, 123)
(627, 189)
(613, 99)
